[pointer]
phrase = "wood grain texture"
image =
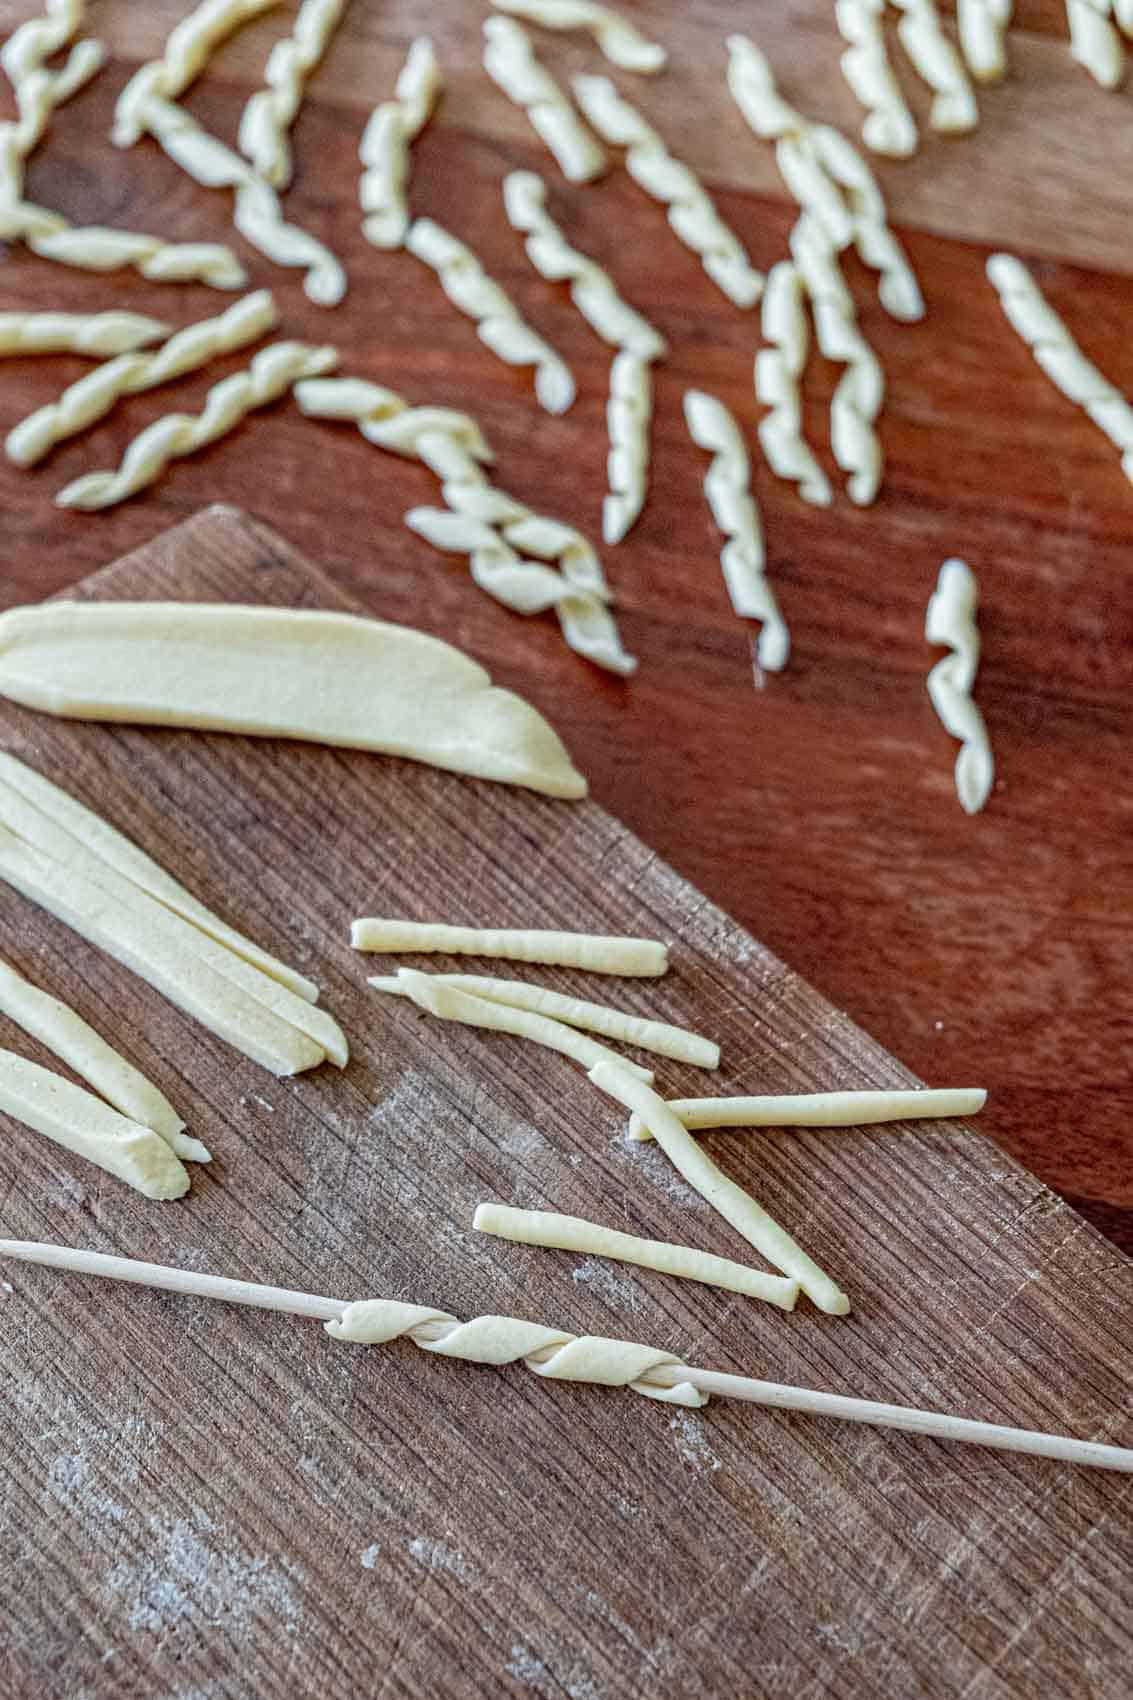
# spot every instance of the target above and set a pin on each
(820, 810)
(196, 1498)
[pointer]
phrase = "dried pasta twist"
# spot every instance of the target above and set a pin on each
(777, 373)
(1058, 354)
(510, 61)
(691, 212)
(498, 323)
(629, 411)
(95, 395)
(982, 28)
(271, 111)
(37, 90)
(951, 619)
(188, 49)
(727, 488)
(857, 399)
(549, 1352)
(937, 63)
(889, 127)
(384, 148)
(100, 334)
(272, 372)
(1094, 41)
(618, 40)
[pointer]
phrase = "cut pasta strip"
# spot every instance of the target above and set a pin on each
(429, 992)
(266, 121)
(77, 1044)
(82, 1123)
(620, 41)
(510, 61)
(99, 334)
(271, 374)
(617, 1024)
(727, 487)
(573, 1233)
(889, 127)
(593, 952)
(982, 27)
(92, 397)
(384, 148)
(693, 217)
(731, 1201)
(778, 370)
(629, 411)
(821, 1109)
(951, 620)
(937, 63)
(1094, 41)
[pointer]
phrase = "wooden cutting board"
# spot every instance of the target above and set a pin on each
(198, 1500)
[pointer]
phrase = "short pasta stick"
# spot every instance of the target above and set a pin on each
(384, 148)
(658, 1036)
(822, 1109)
(951, 619)
(99, 334)
(510, 61)
(594, 952)
(573, 1233)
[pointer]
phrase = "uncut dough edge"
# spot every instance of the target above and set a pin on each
(379, 687)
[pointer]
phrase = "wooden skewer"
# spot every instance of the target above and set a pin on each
(935, 1423)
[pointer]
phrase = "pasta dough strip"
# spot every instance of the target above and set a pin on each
(510, 61)
(384, 148)
(99, 334)
(646, 1034)
(95, 395)
(593, 952)
(821, 1109)
(621, 42)
(77, 1044)
(692, 214)
(727, 487)
(188, 48)
(951, 619)
(572, 1233)
(271, 374)
(80, 1122)
(982, 27)
(953, 111)
(729, 1200)
(889, 127)
(266, 121)
(778, 370)
(1094, 42)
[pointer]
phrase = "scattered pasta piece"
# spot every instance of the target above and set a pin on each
(778, 370)
(951, 620)
(271, 374)
(498, 324)
(619, 40)
(77, 1044)
(267, 119)
(384, 148)
(82, 1123)
(982, 26)
(628, 413)
(727, 487)
(937, 63)
(736, 1206)
(821, 1109)
(572, 1233)
(92, 397)
(99, 334)
(593, 952)
(889, 127)
(1094, 41)
(693, 217)
(617, 1024)
(510, 61)
(188, 49)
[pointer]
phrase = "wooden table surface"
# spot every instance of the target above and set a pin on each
(819, 809)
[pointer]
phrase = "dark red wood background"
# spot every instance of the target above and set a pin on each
(818, 809)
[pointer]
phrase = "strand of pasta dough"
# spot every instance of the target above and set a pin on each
(188, 48)
(498, 323)
(778, 370)
(821, 1109)
(629, 411)
(889, 127)
(97, 334)
(937, 63)
(92, 397)
(485, 523)
(510, 61)
(729, 1200)
(1094, 42)
(982, 27)
(1058, 354)
(266, 121)
(82, 1123)
(384, 148)
(573, 1233)
(618, 40)
(951, 620)
(827, 177)
(271, 374)
(859, 393)
(692, 214)
(617, 1024)
(727, 487)
(61, 1030)
(594, 952)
